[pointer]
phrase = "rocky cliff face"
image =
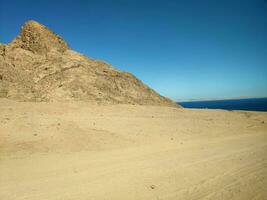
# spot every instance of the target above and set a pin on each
(38, 65)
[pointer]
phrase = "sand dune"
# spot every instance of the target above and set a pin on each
(67, 151)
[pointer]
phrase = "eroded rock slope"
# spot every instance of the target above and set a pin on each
(38, 65)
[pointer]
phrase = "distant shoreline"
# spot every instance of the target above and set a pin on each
(247, 104)
(198, 100)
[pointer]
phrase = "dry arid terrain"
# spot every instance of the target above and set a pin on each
(83, 151)
(38, 65)
(76, 128)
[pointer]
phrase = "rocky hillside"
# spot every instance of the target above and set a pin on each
(38, 65)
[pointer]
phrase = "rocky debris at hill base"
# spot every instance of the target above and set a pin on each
(38, 65)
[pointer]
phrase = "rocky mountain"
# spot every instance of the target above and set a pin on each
(38, 65)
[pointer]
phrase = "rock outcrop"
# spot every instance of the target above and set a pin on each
(38, 65)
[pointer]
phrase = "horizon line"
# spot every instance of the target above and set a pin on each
(215, 99)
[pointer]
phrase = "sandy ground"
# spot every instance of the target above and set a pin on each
(80, 151)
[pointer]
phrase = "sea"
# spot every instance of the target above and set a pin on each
(252, 104)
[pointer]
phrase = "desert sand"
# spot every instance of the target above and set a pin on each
(82, 151)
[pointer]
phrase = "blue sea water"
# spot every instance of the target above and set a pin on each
(255, 104)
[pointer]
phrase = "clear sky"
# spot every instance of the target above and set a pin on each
(181, 48)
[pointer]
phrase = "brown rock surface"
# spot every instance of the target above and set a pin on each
(38, 65)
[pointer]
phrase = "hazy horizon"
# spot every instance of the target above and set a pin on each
(184, 49)
(216, 99)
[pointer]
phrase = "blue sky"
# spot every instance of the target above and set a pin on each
(183, 49)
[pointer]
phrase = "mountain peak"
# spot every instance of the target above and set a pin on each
(39, 39)
(32, 23)
(37, 66)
